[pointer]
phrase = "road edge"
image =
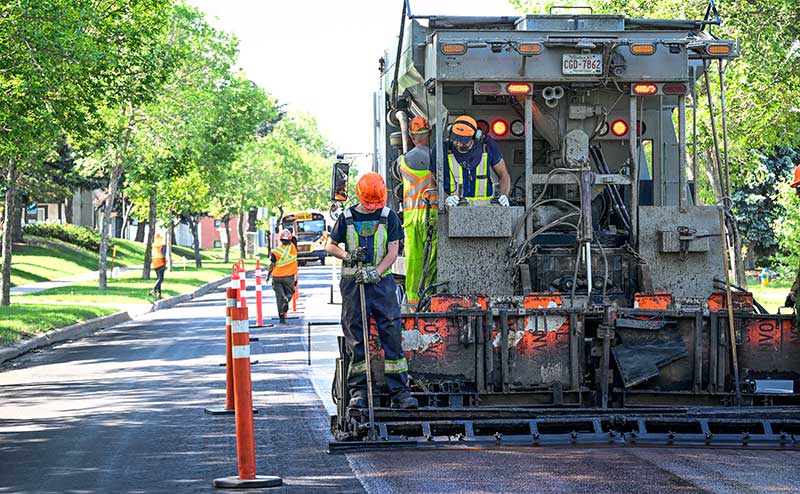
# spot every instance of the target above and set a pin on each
(89, 326)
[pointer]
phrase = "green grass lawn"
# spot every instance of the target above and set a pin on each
(49, 261)
(23, 321)
(771, 297)
(131, 289)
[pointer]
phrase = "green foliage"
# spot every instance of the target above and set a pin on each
(79, 236)
(755, 201)
(787, 229)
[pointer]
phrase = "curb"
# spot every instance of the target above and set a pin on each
(87, 327)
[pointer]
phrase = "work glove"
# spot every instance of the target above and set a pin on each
(503, 200)
(451, 201)
(367, 276)
(791, 299)
(357, 255)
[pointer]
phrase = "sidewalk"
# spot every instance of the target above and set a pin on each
(41, 286)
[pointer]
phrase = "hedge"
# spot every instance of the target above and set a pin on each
(71, 234)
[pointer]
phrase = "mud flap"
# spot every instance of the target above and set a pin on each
(646, 346)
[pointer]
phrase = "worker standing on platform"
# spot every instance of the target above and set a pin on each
(418, 185)
(371, 232)
(283, 271)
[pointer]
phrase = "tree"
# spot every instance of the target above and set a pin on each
(59, 59)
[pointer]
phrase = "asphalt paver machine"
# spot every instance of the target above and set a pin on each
(597, 308)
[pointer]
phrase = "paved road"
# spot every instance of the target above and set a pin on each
(122, 412)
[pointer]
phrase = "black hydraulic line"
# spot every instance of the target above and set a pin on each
(397, 55)
(721, 285)
(616, 197)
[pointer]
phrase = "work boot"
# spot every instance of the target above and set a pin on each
(282, 319)
(405, 401)
(357, 401)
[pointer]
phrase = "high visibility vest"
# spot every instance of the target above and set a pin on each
(379, 241)
(285, 261)
(415, 183)
(157, 256)
(481, 190)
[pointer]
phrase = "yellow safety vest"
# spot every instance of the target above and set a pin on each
(415, 183)
(481, 189)
(286, 261)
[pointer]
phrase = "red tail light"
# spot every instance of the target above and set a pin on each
(499, 127)
(619, 128)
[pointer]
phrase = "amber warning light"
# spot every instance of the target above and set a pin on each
(518, 88)
(645, 89)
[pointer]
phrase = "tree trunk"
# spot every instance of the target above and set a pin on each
(126, 217)
(5, 279)
(108, 207)
(151, 235)
(68, 214)
(19, 214)
(113, 183)
(252, 220)
(226, 220)
(139, 237)
(170, 236)
(193, 221)
(711, 173)
(242, 240)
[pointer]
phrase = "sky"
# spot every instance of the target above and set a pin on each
(321, 56)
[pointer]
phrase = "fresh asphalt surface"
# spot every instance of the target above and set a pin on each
(122, 412)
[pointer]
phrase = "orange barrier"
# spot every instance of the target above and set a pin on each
(242, 284)
(259, 309)
(243, 397)
(231, 294)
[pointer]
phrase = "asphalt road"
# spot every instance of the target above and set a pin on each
(122, 412)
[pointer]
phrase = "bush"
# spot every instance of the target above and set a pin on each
(71, 234)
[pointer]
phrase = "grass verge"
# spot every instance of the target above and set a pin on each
(130, 288)
(24, 321)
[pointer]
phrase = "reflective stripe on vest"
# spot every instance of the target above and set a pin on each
(481, 190)
(286, 256)
(379, 242)
(415, 183)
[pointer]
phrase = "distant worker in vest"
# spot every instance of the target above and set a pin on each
(470, 156)
(371, 233)
(792, 298)
(158, 261)
(283, 271)
(418, 184)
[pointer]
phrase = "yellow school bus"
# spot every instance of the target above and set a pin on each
(311, 229)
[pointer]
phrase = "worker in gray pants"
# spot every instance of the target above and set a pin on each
(283, 271)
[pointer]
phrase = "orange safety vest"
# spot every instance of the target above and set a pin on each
(285, 261)
(415, 183)
(157, 256)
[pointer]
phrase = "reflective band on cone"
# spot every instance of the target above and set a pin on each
(231, 294)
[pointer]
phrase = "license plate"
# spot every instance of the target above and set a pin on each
(574, 64)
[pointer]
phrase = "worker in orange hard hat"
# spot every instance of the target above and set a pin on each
(471, 154)
(371, 233)
(158, 261)
(792, 298)
(419, 184)
(283, 271)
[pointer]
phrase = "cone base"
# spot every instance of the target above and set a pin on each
(235, 483)
(252, 362)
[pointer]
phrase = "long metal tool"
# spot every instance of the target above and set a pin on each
(367, 358)
(731, 329)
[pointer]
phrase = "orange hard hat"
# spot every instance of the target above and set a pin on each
(285, 235)
(464, 129)
(796, 181)
(371, 191)
(419, 125)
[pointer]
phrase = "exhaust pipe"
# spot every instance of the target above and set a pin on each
(402, 118)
